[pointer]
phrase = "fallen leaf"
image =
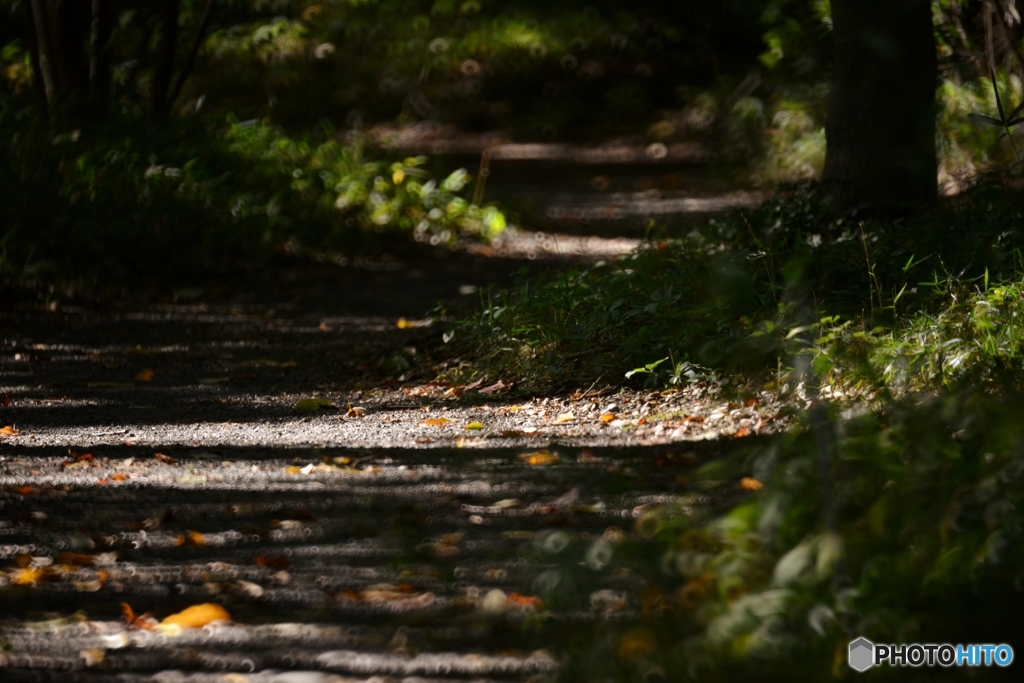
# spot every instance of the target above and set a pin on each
(750, 484)
(752, 402)
(145, 375)
(424, 439)
(197, 616)
(75, 558)
(29, 576)
(355, 411)
(165, 459)
(541, 457)
(119, 476)
(313, 404)
(637, 643)
(742, 432)
(525, 601)
(279, 562)
(436, 422)
(513, 409)
(495, 388)
(607, 417)
(564, 417)
(475, 425)
(92, 656)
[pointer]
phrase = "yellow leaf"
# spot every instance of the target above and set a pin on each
(607, 417)
(294, 470)
(636, 643)
(197, 616)
(436, 422)
(29, 576)
(9, 431)
(541, 457)
(398, 176)
(750, 484)
(144, 376)
(403, 324)
(475, 425)
(564, 417)
(313, 404)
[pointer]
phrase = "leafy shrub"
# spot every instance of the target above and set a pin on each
(129, 202)
(907, 528)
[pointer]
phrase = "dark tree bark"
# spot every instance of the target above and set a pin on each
(880, 131)
(167, 50)
(99, 56)
(38, 87)
(190, 60)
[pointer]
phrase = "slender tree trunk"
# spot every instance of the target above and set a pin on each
(46, 56)
(99, 57)
(38, 86)
(166, 52)
(880, 131)
(190, 60)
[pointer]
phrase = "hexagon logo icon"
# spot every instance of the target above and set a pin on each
(862, 654)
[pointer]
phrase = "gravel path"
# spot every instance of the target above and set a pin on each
(179, 453)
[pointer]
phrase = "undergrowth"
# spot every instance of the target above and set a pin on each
(126, 203)
(926, 302)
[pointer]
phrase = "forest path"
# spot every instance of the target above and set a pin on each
(410, 531)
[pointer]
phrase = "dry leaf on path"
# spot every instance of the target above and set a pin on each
(313, 404)
(436, 422)
(145, 375)
(495, 388)
(475, 425)
(197, 616)
(9, 431)
(564, 417)
(607, 417)
(541, 457)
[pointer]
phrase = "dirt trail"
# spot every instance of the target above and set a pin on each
(410, 531)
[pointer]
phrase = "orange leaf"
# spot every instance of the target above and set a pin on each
(436, 422)
(29, 576)
(119, 476)
(750, 484)
(529, 601)
(144, 376)
(75, 558)
(197, 616)
(607, 417)
(279, 562)
(541, 457)
(742, 432)
(9, 431)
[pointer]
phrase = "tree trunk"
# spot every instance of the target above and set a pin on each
(167, 50)
(99, 56)
(880, 131)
